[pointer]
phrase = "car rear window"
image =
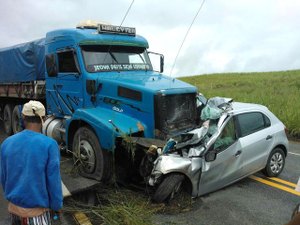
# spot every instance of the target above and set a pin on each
(252, 122)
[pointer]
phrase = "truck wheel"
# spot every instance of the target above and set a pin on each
(168, 188)
(7, 118)
(89, 158)
(275, 163)
(16, 120)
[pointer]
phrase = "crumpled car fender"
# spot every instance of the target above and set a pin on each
(190, 167)
(169, 163)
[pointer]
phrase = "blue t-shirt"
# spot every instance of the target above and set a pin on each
(30, 171)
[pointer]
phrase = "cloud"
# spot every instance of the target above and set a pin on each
(227, 36)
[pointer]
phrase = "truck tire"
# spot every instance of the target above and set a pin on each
(16, 120)
(167, 189)
(7, 119)
(90, 160)
(275, 164)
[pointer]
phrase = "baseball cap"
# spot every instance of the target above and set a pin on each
(33, 108)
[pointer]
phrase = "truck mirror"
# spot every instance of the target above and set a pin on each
(91, 87)
(76, 61)
(202, 101)
(162, 62)
(51, 65)
(157, 61)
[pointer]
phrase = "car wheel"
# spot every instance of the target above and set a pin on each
(90, 160)
(168, 188)
(275, 163)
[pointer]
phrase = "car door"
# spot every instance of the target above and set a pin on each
(226, 168)
(254, 130)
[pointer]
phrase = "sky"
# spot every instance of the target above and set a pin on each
(227, 35)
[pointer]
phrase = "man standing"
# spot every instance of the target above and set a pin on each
(30, 171)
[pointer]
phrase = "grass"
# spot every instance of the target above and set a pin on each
(279, 91)
(121, 206)
(115, 207)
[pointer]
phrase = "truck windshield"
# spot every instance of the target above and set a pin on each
(115, 58)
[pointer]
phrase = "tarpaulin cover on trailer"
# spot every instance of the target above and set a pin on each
(23, 62)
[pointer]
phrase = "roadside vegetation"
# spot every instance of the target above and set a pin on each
(115, 207)
(279, 91)
(121, 206)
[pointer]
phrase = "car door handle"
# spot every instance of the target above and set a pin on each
(238, 153)
(269, 137)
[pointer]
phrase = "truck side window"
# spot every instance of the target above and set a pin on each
(66, 62)
(51, 65)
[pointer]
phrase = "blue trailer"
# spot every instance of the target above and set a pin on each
(103, 97)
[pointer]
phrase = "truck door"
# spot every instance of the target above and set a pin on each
(68, 87)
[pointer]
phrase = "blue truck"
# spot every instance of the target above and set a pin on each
(102, 96)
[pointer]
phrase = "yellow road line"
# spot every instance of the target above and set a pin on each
(279, 186)
(283, 181)
(82, 219)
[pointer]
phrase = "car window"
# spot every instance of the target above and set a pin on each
(227, 136)
(252, 122)
(267, 121)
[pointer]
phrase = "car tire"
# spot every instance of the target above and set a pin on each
(275, 164)
(168, 188)
(89, 159)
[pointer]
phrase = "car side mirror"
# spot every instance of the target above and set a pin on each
(211, 156)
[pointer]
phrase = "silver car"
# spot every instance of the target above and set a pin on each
(244, 138)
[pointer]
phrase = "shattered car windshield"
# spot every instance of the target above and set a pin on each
(213, 116)
(115, 58)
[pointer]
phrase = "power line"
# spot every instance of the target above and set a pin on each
(186, 36)
(127, 12)
(120, 26)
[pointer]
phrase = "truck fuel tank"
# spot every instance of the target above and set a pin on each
(53, 127)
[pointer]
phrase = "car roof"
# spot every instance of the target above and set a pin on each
(240, 107)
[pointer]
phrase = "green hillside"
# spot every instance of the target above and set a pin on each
(279, 91)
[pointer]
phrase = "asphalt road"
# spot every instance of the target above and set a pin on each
(247, 202)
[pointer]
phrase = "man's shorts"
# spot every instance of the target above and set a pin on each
(44, 219)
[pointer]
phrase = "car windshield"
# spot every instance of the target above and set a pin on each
(115, 58)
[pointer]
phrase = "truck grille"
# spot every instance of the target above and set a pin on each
(174, 113)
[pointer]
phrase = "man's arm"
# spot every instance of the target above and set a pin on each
(2, 171)
(53, 178)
